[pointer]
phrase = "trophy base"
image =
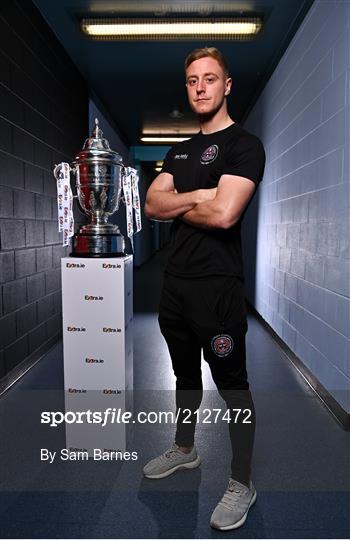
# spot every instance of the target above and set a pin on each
(102, 245)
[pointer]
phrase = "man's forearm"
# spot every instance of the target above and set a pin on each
(170, 205)
(207, 215)
(223, 211)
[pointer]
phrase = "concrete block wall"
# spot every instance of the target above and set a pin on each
(43, 121)
(153, 235)
(301, 280)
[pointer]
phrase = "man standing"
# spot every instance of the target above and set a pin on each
(205, 185)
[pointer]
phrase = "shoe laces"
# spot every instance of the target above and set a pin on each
(171, 453)
(231, 495)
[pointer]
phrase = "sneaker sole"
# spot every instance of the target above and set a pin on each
(238, 523)
(191, 465)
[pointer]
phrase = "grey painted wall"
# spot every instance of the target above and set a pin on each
(43, 121)
(154, 235)
(116, 144)
(300, 280)
(143, 240)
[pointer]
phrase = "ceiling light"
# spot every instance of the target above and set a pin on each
(165, 140)
(157, 169)
(176, 114)
(172, 29)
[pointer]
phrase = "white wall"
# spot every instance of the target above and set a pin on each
(300, 280)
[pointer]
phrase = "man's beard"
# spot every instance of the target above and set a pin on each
(207, 116)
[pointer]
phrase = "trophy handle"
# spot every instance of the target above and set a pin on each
(56, 173)
(57, 170)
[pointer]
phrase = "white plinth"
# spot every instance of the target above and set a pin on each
(97, 345)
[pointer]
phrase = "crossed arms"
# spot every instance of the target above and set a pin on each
(216, 208)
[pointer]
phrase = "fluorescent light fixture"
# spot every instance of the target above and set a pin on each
(226, 29)
(165, 140)
(157, 169)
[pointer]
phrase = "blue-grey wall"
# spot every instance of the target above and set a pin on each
(300, 280)
(116, 144)
(115, 141)
(153, 234)
(143, 240)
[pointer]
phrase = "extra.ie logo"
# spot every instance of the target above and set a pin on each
(77, 390)
(109, 330)
(94, 361)
(75, 265)
(76, 329)
(108, 265)
(90, 297)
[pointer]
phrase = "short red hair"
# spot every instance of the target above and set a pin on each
(212, 52)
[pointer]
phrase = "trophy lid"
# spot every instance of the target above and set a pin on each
(97, 147)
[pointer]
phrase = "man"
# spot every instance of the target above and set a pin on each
(205, 185)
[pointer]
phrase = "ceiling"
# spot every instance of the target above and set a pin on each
(140, 83)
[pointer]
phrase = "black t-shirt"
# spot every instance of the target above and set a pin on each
(199, 163)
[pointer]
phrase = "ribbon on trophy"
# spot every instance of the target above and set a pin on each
(132, 201)
(64, 202)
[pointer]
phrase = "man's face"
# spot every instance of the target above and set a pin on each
(207, 86)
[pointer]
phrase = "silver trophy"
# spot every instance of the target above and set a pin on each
(98, 172)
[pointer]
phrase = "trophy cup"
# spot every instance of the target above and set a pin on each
(99, 175)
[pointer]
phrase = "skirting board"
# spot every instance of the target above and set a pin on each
(21, 369)
(321, 392)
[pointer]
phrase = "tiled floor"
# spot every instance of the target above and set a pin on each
(301, 458)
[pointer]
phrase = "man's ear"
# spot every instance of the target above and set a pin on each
(228, 86)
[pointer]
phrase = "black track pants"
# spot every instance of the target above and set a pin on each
(210, 314)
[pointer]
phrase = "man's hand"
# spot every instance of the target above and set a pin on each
(164, 202)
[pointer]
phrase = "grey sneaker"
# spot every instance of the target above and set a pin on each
(171, 461)
(232, 510)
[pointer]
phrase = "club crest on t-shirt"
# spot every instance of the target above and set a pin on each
(210, 154)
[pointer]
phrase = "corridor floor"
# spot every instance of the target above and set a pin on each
(301, 458)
